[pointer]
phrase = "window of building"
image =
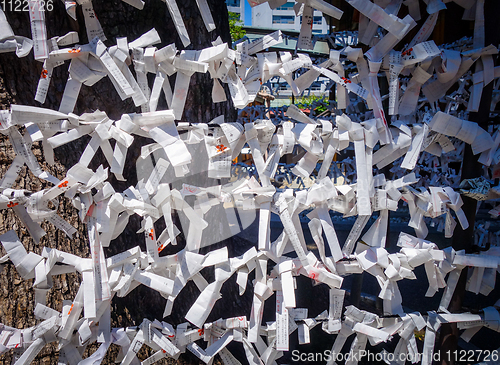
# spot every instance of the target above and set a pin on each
(233, 3)
(317, 20)
(283, 19)
(286, 6)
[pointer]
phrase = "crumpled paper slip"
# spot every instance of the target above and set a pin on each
(477, 188)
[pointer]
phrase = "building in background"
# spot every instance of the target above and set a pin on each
(237, 6)
(241, 7)
(283, 17)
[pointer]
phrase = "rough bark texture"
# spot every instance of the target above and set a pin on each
(18, 82)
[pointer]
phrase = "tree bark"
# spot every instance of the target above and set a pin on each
(18, 83)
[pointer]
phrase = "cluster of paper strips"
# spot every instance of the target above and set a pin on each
(418, 133)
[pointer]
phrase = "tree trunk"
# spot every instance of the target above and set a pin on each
(18, 82)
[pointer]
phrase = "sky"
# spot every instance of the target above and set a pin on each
(248, 13)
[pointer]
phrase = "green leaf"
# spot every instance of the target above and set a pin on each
(235, 27)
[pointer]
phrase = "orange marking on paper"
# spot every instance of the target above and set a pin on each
(221, 148)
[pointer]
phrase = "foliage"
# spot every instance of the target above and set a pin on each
(317, 103)
(235, 27)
